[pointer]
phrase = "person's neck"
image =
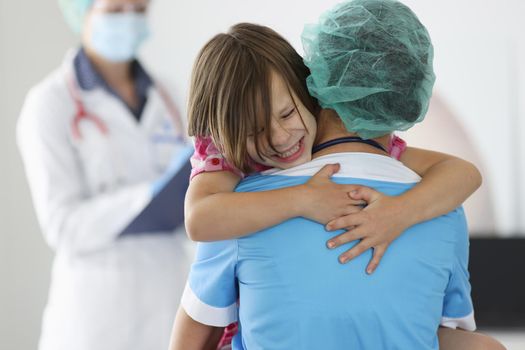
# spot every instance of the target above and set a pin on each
(330, 127)
(117, 75)
(114, 73)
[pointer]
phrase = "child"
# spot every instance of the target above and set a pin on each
(282, 137)
(231, 78)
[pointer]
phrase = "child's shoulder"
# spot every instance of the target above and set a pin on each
(208, 158)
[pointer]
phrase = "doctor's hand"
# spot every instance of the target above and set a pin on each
(322, 200)
(177, 162)
(376, 226)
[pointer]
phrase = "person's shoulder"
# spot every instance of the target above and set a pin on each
(269, 180)
(374, 167)
(51, 89)
(457, 220)
(52, 82)
(163, 82)
(356, 165)
(45, 102)
(166, 89)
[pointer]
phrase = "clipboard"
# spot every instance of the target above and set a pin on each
(165, 212)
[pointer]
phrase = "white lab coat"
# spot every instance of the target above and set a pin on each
(106, 292)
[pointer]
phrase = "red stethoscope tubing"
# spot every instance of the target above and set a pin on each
(81, 113)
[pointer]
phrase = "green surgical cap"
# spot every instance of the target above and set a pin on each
(371, 62)
(74, 12)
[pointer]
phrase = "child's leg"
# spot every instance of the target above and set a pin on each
(456, 339)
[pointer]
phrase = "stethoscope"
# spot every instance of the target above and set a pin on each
(82, 114)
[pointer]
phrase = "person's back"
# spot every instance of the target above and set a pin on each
(295, 295)
(371, 66)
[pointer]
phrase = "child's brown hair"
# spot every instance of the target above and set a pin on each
(230, 96)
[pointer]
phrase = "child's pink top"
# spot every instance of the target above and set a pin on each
(208, 158)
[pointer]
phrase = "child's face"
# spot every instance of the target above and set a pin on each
(291, 137)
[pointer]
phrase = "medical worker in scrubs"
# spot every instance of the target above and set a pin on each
(97, 137)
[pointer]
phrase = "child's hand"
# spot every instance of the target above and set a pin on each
(377, 225)
(322, 200)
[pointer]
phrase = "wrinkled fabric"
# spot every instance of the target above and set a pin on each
(371, 62)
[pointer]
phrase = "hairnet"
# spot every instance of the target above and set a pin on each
(370, 61)
(74, 12)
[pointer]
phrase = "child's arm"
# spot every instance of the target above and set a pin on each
(188, 334)
(446, 182)
(214, 212)
(456, 339)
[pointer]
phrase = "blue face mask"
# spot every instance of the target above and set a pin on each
(117, 36)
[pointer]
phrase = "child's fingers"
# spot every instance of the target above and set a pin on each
(379, 251)
(352, 209)
(352, 189)
(357, 250)
(360, 203)
(344, 222)
(365, 193)
(328, 170)
(349, 236)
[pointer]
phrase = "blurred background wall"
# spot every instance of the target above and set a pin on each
(477, 112)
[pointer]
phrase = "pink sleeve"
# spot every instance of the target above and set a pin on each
(207, 158)
(227, 336)
(396, 147)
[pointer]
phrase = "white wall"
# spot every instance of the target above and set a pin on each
(480, 76)
(32, 41)
(477, 65)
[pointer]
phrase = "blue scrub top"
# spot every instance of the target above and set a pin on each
(293, 293)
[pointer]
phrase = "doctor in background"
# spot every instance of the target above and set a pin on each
(97, 137)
